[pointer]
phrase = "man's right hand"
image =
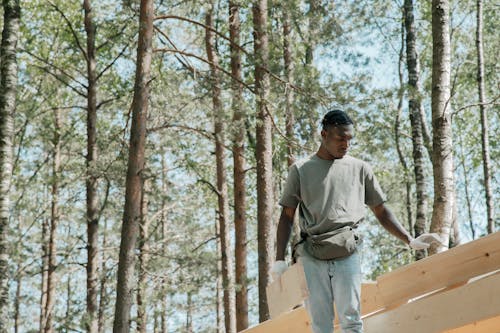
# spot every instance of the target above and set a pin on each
(279, 267)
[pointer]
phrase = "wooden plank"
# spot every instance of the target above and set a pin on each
(371, 300)
(289, 291)
(441, 270)
(296, 321)
(490, 325)
(470, 303)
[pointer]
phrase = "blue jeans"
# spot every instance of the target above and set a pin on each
(332, 281)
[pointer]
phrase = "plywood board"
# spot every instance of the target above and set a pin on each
(287, 292)
(441, 270)
(470, 303)
(296, 321)
(490, 325)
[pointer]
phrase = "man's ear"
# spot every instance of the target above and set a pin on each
(323, 134)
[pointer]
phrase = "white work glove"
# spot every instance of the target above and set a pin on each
(423, 241)
(279, 267)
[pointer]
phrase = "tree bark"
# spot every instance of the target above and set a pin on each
(143, 262)
(45, 272)
(414, 106)
(397, 131)
(8, 92)
(54, 222)
(485, 145)
(222, 192)
(289, 103)
(442, 215)
(91, 321)
(263, 153)
(240, 224)
(103, 279)
(134, 181)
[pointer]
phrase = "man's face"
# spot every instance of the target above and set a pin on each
(336, 139)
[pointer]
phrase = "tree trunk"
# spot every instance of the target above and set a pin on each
(133, 191)
(240, 224)
(263, 152)
(189, 313)
(222, 193)
(91, 321)
(143, 262)
(45, 273)
(17, 302)
(397, 131)
(103, 301)
(164, 233)
(289, 103)
(8, 91)
(54, 222)
(442, 215)
(485, 145)
(219, 294)
(414, 106)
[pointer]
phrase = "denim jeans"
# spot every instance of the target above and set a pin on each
(332, 281)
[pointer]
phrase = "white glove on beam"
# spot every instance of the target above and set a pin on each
(279, 267)
(423, 241)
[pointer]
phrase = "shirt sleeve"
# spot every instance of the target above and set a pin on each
(291, 193)
(374, 195)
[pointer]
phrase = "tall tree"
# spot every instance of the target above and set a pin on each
(54, 222)
(239, 117)
(485, 141)
(91, 322)
(142, 318)
(415, 105)
(134, 181)
(263, 154)
(8, 92)
(222, 193)
(444, 192)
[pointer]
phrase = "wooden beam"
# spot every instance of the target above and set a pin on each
(491, 325)
(371, 300)
(296, 321)
(473, 302)
(289, 291)
(441, 270)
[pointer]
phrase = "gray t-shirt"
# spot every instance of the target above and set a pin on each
(330, 193)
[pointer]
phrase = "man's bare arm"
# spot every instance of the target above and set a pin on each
(284, 230)
(391, 223)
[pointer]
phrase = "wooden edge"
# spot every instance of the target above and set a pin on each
(295, 321)
(473, 302)
(453, 267)
(287, 292)
(490, 325)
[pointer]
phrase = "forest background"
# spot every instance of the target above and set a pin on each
(228, 105)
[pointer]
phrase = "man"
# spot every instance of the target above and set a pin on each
(331, 189)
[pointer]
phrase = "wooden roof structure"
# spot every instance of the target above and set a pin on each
(456, 291)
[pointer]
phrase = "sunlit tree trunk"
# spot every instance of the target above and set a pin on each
(91, 321)
(222, 192)
(442, 215)
(265, 197)
(54, 222)
(134, 182)
(8, 91)
(485, 144)
(142, 289)
(415, 105)
(240, 224)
